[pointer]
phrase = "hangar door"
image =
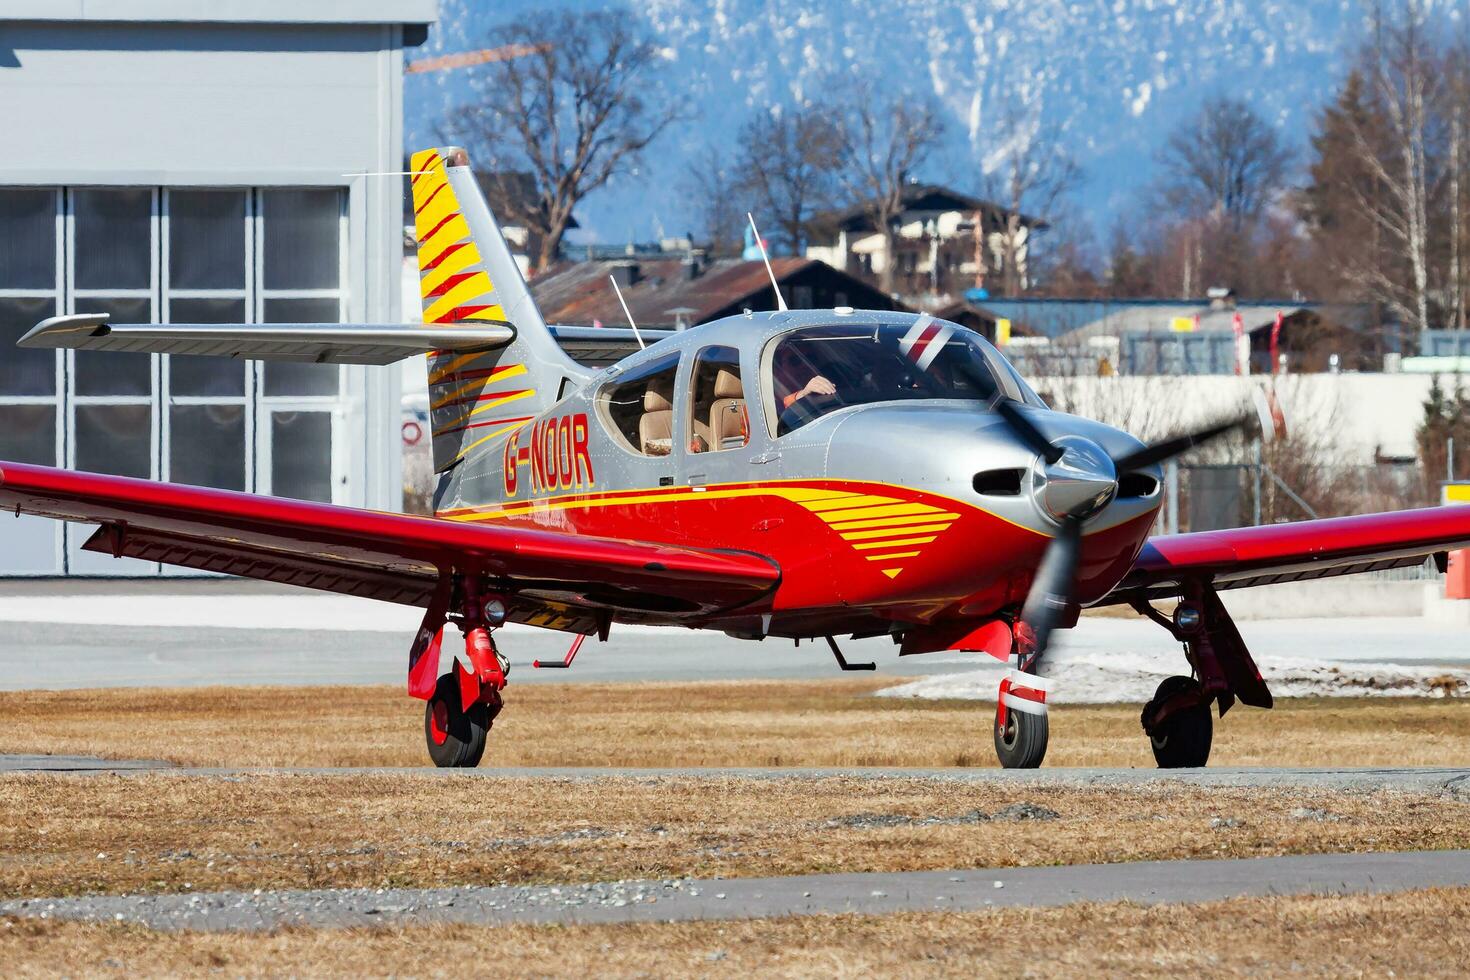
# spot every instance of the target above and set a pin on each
(181, 255)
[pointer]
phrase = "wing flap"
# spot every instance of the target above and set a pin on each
(276, 538)
(314, 343)
(1248, 556)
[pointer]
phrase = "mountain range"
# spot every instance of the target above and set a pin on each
(1110, 78)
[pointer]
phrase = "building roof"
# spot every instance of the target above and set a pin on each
(916, 197)
(665, 292)
(1080, 319)
(225, 11)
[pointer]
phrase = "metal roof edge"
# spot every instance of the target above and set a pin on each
(223, 11)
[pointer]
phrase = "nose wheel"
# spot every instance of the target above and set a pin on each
(1020, 738)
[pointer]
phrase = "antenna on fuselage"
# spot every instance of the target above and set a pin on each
(636, 335)
(766, 258)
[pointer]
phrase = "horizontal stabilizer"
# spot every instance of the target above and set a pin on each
(315, 343)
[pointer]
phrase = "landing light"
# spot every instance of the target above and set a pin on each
(494, 612)
(1187, 618)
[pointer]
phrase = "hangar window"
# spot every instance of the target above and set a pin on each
(637, 408)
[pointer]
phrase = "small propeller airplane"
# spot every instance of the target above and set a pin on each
(797, 474)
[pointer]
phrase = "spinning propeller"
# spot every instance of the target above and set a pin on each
(1080, 479)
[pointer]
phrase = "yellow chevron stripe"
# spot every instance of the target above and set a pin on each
(472, 290)
(894, 510)
(894, 521)
(458, 261)
(455, 230)
(901, 543)
(442, 206)
(902, 554)
(494, 403)
(889, 532)
(464, 360)
(856, 500)
(498, 432)
(800, 495)
(892, 572)
(495, 314)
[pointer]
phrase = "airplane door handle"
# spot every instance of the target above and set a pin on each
(698, 480)
(766, 457)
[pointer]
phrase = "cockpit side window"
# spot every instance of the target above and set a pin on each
(718, 418)
(637, 409)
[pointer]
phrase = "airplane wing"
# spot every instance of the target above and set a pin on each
(554, 579)
(1272, 553)
(313, 343)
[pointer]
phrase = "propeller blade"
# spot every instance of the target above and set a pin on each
(1023, 427)
(1026, 430)
(1053, 588)
(1169, 448)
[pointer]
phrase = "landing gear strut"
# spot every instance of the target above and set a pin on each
(461, 705)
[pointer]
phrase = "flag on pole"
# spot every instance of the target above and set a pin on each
(1276, 342)
(1242, 351)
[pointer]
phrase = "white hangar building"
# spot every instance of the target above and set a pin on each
(173, 160)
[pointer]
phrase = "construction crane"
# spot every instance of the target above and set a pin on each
(467, 59)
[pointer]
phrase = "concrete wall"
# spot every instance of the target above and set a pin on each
(1357, 414)
(105, 101)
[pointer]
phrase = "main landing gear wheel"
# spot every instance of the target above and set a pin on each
(456, 737)
(1181, 741)
(1020, 741)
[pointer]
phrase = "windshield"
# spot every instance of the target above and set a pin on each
(817, 370)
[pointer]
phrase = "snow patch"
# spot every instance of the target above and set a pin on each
(1109, 679)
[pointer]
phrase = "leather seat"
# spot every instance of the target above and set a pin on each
(656, 426)
(727, 420)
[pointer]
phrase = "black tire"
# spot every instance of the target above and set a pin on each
(456, 738)
(1021, 742)
(1183, 740)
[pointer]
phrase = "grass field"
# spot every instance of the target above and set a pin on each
(1407, 934)
(165, 832)
(765, 723)
(170, 833)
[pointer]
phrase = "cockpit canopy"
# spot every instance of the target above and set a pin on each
(813, 371)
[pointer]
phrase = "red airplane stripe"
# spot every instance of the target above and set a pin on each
(432, 194)
(451, 282)
(444, 221)
(488, 396)
(444, 255)
(481, 425)
(424, 171)
(916, 352)
(460, 313)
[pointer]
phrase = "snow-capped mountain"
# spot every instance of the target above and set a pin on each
(1111, 76)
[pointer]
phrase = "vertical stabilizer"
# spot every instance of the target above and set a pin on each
(468, 275)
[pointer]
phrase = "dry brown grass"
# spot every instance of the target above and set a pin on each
(1411, 933)
(762, 723)
(171, 833)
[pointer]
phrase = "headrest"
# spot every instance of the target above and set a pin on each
(658, 399)
(727, 385)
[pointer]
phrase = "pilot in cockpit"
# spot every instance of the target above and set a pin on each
(789, 370)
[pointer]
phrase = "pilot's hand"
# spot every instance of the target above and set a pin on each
(819, 386)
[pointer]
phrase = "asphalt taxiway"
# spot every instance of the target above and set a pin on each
(681, 899)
